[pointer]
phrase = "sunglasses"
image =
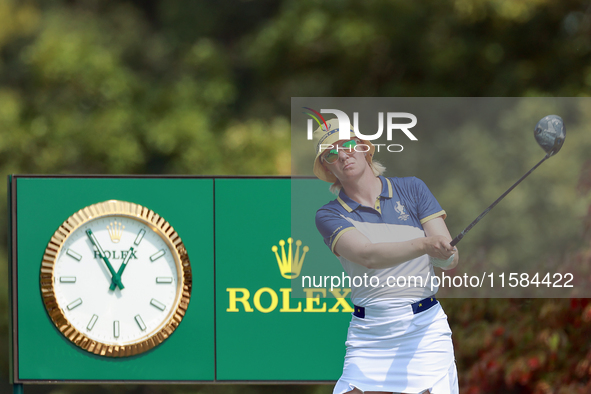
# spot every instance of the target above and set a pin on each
(333, 155)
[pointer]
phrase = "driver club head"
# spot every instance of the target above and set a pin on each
(550, 134)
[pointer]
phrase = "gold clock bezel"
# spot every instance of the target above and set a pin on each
(164, 230)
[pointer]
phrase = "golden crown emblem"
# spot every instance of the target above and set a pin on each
(115, 231)
(289, 265)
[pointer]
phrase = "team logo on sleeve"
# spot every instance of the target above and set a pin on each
(401, 210)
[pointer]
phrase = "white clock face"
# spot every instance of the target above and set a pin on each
(88, 295)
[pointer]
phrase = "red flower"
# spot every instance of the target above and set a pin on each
(533, 363)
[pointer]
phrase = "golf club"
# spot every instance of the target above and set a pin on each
(550, 134)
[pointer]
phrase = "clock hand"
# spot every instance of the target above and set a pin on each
(122, 268)
(114, 275)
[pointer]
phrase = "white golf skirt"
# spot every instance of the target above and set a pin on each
(395, 350)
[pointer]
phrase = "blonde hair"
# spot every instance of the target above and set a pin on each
(377, 168)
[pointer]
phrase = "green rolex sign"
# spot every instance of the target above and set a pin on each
(113, 275)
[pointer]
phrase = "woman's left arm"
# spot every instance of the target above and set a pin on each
(437, 226)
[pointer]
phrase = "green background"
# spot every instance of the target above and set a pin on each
(252, 215)
(42, 206)
(249, 217)
(307, 196)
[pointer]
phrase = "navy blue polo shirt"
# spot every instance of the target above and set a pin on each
(397, 215)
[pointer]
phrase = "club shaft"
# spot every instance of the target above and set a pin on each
(465, 231)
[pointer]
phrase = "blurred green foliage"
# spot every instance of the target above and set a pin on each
(204, 87)
(539, 220)
(536, 346)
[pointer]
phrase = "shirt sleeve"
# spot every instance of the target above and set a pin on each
(427, 205)
(332, 226)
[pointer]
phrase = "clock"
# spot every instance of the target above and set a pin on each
(116, 279)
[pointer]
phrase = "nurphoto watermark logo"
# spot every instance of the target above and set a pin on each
(344, 128)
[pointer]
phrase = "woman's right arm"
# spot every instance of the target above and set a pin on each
(356, 247)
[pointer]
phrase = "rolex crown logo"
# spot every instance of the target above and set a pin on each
(289, 265)
(115, 231)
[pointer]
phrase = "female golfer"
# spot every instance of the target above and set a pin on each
(388, 234)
